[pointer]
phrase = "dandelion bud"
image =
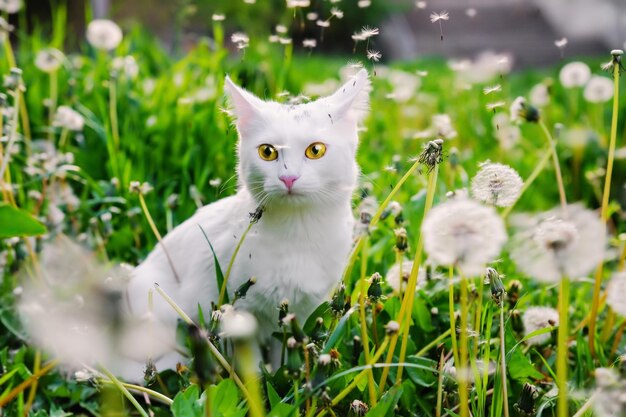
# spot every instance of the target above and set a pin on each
(319, 333)
(522, 111)
(294, 359)
(525, 406)
(515, 289)
(283, 310)
(172, 201)
(335, 358)
(338, 301)
(432, 154)
(243, 288)
(13, 81)
(134, 187)
(296, 331)
(375, 292)
(357, 348)
(402, 241)
(323, 367)
(358, 408)
(497, 288)
(516, 321)
(453, 158)
(150, 372)
(393, 327)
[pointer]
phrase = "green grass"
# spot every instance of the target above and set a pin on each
(178, 144)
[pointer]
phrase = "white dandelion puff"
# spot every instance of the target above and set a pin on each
(374, 55)
(394, 280)
(610, 400)
(10, 6)
(323, 23)
(309, 43)
(539, 95)
(217, 17)
(495, 105)
(552, 245)
(335, 12)
(560, 43)
(538, 318)
(598, 90)
(237, 324)
(104, 34)
(497, 184)
(363, 4)
(574, 74)
(616, 293)
(240, 39)
(442, 126)
(49, 60)
(463, 233)
(292, 4)
(68, 118)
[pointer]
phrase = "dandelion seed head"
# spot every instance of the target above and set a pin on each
(67, 118)
(436, 17)
(10, 6)
(394, 280)
(497, 184)
(522, 111)
(537, 318)
(49, 60)
(465, 233)
(574, 74)
(610, 400)
(598, 90)
(240, 39)
(237, 324)
(539, 95)
(104, 34)
(126, 65)
(616, 293)
(554, 245)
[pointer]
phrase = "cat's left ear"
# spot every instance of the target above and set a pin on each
(246, 106)
(352, 98)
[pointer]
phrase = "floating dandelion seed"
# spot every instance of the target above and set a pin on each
(309, 43)
(463, 233)
(421, 5)
(598, 89)
(323, 23)
(335, 12)
(471, 12)
(240, 39)
(574, 74)
(495, 105)
(363, 4)
(216, 17)
(367, 32)
(292, 4)
(538, 318)
(312, 16)
(552, 246)
(497, 184)
(492, 89)
(104, 34)
(374, 55)
(438, 17)
(560, 43)
(616, 293)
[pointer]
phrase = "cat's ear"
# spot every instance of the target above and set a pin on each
(352, 98)
(245, 105)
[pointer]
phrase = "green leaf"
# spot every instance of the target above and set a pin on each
(521, 368)
(337, 334)
(224, 398)
(386, 404)
(282, 410)
(219, 276)
(272, 395)
(186, 403)
(16, 222)
(420, 376)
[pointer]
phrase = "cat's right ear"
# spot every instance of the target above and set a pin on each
(246, 107)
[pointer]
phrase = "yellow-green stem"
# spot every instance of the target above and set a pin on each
(557, 166)
(138, 388)
(33, 388)
(531, 178)
(605, 207)
(371, 385)
(124, 391)
(253, 396)
(462, 369)
(230, 265)
(146, 213)
(5, 399)
(505, 395)
(53, 103)
(455, 345)
(562, 349)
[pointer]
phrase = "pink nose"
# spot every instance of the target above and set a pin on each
(288, 180)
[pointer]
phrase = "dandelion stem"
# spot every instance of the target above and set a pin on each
(363, 321)
(462, 369)
(557, 166)
(505, 395)
(455, 346)
(253, 393)
(124, 391)
(138, 388)
(5, 399)
(407, 300)
(531, 178)
(375, 219)
(231, 263)
(562, 350)
(33, 388)
(146, 213)
(440, 386)
(214, 351)
(605, 207)
(53, 103)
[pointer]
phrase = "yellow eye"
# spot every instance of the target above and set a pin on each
(315, 150)
(268, 152)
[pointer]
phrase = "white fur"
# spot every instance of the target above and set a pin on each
(298, 249)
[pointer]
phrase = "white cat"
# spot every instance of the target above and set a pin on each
(298, 162)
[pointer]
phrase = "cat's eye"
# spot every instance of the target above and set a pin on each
(315, 150)
(268, 152)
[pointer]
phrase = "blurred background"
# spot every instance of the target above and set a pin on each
(526, 29)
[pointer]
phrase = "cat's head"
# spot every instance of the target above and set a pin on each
(300, 154)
